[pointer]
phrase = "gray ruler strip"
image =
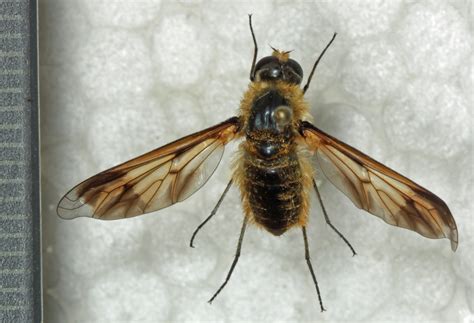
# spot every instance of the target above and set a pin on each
(20, 258)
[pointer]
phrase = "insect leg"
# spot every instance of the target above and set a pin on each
(214, 211)
(308, 261)
(328, 221)
(237, 255)
(255, 50)
(316, 63)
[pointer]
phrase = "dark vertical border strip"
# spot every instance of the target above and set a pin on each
(20, 234)
(35, 188)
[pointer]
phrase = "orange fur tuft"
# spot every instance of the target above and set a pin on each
(307, 171)
(281, 55)
(238, 176)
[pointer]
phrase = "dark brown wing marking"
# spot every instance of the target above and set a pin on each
(378, 189)
(150, 182)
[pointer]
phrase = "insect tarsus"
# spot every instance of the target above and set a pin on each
(236, 258)
(326, 217)
(308, 261)
(214, 211)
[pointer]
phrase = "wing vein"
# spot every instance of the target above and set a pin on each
(343, 172)
(378, 189)
(407, 197)
(174, 196)
(156, 191)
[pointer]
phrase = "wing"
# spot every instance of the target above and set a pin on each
(150, 182)
(378, 189)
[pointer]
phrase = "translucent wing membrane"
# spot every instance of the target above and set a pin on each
(379, 190)
(152, 181)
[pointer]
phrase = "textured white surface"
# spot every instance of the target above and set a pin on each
(119, 78)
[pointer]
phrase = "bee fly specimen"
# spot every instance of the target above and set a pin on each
(272, 170)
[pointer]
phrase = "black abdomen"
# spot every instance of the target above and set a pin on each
(274, 189)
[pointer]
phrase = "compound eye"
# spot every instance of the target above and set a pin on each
(295, 66)
(294, 71)
(268, 68)
(265, 61)
(283, 116)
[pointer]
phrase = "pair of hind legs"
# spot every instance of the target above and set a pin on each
(241, 238)
(244, 225)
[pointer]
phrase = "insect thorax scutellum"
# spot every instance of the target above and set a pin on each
(273, 173)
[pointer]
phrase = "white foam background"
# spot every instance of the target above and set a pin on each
(121, 77)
